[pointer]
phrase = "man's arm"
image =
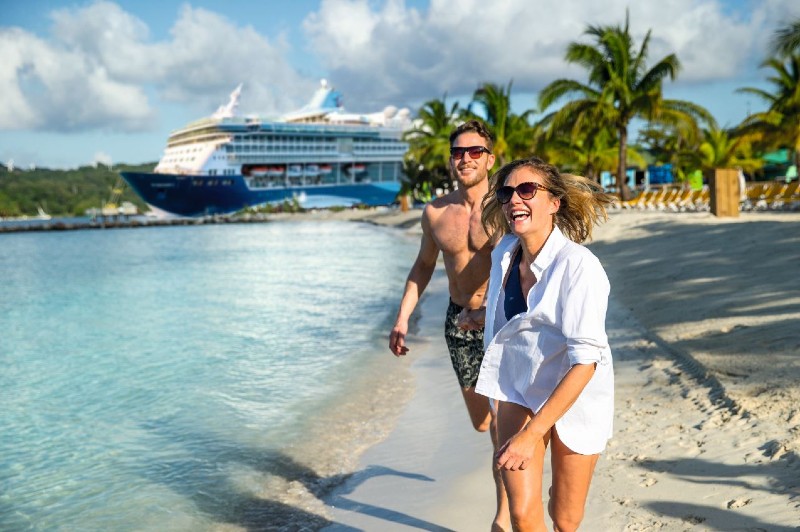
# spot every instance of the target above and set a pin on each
(418, 279)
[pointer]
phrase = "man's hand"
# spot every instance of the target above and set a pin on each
(397, 340)
(471, 319)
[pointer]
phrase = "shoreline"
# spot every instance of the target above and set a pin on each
(383, 215)
(693, 448)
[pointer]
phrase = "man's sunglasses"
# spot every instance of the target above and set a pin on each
(525, 191)
(474, 151)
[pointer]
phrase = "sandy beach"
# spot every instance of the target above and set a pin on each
(703, 322)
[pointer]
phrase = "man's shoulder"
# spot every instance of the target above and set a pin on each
(439, 206)
(440, 202)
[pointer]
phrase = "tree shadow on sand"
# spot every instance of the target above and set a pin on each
(781, 475)
(711, 518)
(205, 480)
(733, 279)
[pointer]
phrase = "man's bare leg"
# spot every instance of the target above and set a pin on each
(484, 418)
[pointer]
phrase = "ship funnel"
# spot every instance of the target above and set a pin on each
(229, 110)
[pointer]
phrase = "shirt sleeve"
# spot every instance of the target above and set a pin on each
(585, 290)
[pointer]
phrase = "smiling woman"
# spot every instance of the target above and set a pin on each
(547, 362)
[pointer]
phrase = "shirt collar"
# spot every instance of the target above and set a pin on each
(551, 247)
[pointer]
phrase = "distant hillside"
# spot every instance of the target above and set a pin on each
(64, 192)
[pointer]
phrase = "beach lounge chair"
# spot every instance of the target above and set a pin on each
(671, 199)
(753, 193)
(652, 202)
(772, 192)
(637, 202)
(787, 196)
(683, 200)
(703, 202)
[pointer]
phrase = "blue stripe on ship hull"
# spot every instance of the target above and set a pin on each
(178, 194)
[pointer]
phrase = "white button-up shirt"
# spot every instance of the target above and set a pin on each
(528, 355)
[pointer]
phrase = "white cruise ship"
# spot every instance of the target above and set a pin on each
(321, 155)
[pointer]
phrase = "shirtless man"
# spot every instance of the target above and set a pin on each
(452, 224)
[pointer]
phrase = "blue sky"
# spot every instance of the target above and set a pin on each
(107, 81)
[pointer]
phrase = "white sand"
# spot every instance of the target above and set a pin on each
(703, 323)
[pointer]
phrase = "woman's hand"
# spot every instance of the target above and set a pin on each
(516, 453)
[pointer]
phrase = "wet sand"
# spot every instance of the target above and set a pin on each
(703, 323)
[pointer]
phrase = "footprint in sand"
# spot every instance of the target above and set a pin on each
(647, 482)
(738, 503)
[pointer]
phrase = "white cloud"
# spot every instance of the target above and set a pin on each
(47, 87)
(15, 110)
(99, 69)
(208, 56)
(107, 37)
(391, 51)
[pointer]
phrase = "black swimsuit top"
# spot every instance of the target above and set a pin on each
(515, 302)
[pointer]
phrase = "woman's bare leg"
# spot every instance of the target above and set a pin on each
(572, 475)
(523, 486)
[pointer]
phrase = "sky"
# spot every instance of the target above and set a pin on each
(107, 81)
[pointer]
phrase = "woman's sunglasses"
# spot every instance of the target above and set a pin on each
(474, 151)
(525, 191)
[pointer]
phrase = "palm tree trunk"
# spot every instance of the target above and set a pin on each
(589, 173)
(622, 178)
(797, 162)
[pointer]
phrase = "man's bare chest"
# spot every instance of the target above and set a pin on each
(461, 235)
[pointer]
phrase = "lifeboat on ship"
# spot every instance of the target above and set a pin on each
(356, 168)
(258, 171)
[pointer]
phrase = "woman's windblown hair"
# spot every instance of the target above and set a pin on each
(583, 202)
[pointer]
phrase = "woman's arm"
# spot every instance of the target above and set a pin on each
(516, 452)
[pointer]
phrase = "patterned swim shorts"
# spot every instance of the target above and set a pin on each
(466, 348)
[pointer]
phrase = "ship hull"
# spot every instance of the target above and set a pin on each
(192, 195)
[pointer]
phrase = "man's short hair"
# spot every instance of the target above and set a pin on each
(474, 126)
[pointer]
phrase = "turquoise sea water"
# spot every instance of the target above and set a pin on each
(170, 378)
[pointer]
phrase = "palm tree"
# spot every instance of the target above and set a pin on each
(720, 149)
(523, 138)
(786, 40)
(514, 135)
(583, 150)
(429, 146)
(779, 125)
(620, 88)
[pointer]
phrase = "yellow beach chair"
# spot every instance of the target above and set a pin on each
(703, 202)
(670, 199)
(772, 193)
(681, 204)
(787, 196)
(652, 202)
(637, 202)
